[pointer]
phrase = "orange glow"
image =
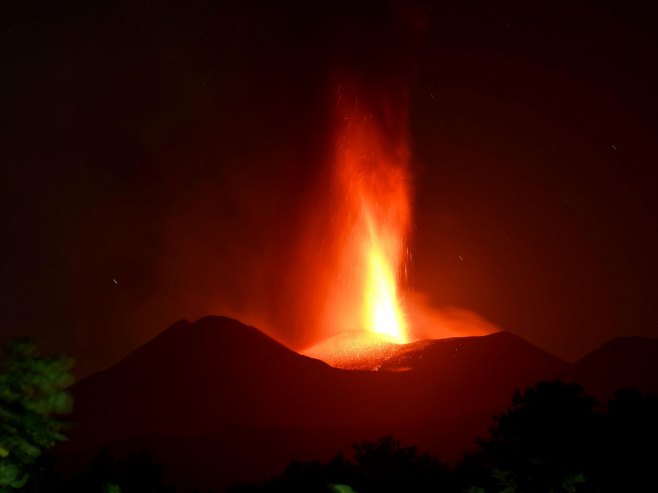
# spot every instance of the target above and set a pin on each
(371, 214)
(381, 309)
(353, 255)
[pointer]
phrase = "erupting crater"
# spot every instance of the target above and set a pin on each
(369, 200)
(355, 350)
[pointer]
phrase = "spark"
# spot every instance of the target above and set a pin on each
(372, 218)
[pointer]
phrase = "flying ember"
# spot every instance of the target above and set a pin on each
(371, 214)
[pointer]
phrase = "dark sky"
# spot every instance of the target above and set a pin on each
(158, 160)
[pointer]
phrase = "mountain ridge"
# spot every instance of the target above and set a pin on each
(218, 377)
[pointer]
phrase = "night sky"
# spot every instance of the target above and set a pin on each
(159, 162)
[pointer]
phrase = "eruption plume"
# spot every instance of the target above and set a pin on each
(362, 255)
(370, 194)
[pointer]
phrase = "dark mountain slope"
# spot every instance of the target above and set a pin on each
(225, 393)
(630, 362)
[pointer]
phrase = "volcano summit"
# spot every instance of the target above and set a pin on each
(219, 392)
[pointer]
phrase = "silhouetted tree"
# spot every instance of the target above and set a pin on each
(33, 396)
(630, 461)
(44, 477)
(96, 477)
(547, 441)
(311, 477)
(137, 473)
(386, 465)
(140, 474)
(383, 465)
(550, 440)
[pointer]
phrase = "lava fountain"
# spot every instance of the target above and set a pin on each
(374, 185)
(368, 226)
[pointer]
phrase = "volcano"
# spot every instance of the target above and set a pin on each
(218, 402)
(623, 362)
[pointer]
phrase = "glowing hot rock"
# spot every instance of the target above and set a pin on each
(382, 313)
(369, 224)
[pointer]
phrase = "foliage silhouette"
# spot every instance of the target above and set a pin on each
(136, 474)
(383, 465)
(386, 465)
(33, 396)
(630, 449)
(552, 439)
(545, 440)
(44, 477)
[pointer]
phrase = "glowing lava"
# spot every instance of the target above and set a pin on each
(372, 215)
(356, 247)
(381, 310)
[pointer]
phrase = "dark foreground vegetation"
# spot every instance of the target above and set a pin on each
(33, 394)
(550, 440)
(553, 438)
